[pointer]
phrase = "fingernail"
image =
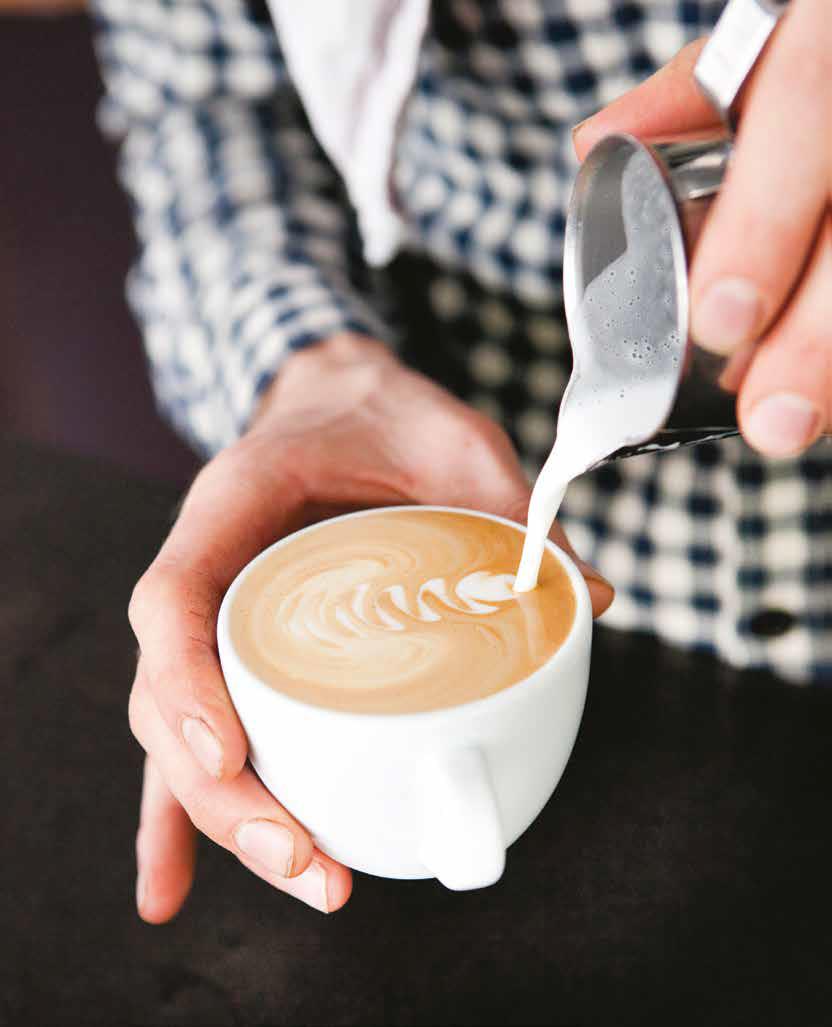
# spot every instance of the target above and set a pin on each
(726, 315)
(141, 890)
(268, 843)
(204, 745)
(310, 887)
(577, 128)
(783, 424)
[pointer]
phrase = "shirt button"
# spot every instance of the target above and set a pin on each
(771, 623)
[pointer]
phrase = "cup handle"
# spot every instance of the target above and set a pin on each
(462, 840)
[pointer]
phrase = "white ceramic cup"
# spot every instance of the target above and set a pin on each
(440, 793)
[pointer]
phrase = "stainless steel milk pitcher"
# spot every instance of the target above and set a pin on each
(640, 206)
(680, 178)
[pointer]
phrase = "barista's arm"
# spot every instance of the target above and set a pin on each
(247, 247)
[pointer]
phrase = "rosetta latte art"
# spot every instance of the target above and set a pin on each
(398, 610)
(324, 614)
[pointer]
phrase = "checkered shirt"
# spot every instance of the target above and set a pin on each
(249, 250)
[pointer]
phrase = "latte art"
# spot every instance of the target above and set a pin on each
(398, 610)
(323, 612)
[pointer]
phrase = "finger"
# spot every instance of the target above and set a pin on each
(479, 468)
(325, 885)
(173, 612)
(759, 232)
(667, 103)
(784, 402)
(239, 814)
(238, 505)
(165, 851)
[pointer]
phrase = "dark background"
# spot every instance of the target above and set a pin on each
(72, 370)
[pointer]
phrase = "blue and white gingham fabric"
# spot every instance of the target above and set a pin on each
(249, 250)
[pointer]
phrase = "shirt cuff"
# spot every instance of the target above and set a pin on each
(208, 383)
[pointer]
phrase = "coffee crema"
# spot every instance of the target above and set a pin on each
(399, 611)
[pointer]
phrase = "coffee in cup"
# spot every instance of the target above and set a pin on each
(399, 611)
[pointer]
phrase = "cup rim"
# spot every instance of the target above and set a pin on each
(583, 616)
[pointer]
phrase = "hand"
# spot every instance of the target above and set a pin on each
(344, 426)
(761, 281)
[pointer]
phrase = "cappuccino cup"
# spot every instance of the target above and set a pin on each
(415, 780)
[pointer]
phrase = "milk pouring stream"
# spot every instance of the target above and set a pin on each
(612, 346)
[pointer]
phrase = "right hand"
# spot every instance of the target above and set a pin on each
(344, 426)
(761, 277)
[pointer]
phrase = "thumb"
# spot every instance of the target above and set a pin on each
(669, 102)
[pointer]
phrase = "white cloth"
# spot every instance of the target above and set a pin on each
(353, 65)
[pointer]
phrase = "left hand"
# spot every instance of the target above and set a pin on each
(761, 281)
(344, 426)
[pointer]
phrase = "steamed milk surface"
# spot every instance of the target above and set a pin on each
(598, 416)
(399, 611)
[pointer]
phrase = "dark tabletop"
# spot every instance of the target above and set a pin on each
(679, 874)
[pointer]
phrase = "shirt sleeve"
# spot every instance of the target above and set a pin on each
(247, 246)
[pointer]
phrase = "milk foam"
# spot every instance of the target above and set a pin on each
(398, 610)
(360, 612)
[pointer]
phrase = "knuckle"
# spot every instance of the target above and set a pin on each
(158, 590)
(139, 604)
(371, 377)
(363, 384)
(136, 714)
(194, 595)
